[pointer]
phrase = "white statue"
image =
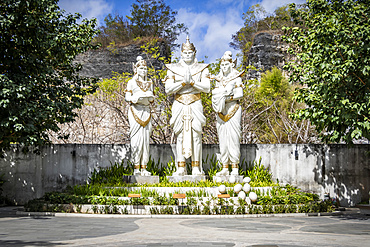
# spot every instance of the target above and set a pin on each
(187, 79)
(139, 94)
(228, 90)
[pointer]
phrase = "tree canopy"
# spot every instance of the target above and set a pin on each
(148, 18)
(39, 84)
(155, 18)
(333, 65)
(257, 19)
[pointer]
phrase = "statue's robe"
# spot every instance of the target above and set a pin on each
(187, 107)
(228, 115)
(139, 119)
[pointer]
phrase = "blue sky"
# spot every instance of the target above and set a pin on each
(211, 22)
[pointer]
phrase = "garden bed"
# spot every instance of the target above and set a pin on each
(107, 194)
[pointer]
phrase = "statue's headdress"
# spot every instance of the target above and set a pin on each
(140, 62)
(228, 56)
(188, 46)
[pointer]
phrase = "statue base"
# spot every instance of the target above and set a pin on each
(141, 179)
(191, 178)
(238, 179)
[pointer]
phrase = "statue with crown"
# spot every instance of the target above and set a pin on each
(186, 80)
(225, 96)
(139, 94)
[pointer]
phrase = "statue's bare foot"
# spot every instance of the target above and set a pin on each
(235, 172)
(137, 172)
(180, 172)
(145, 172)
(196, 171)
(223, 172)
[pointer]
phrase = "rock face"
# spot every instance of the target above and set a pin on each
(101, 63)
(267, 51)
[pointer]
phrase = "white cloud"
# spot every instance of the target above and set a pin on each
(88, 8)
(210, 33)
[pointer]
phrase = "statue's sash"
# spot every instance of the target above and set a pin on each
(228, 116)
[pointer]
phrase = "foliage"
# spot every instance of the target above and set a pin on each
(39, 84)
(214, 165)
(155, 18)
(108, 200)
(259, 175)
(256, 19)
(275, 104)
(274, 85)
(148, 18)
(116, 30)
(333, 64)
(112, 174)
(287, 195)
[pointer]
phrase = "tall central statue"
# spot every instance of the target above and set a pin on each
(187, 79)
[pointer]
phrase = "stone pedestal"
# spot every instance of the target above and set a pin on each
(191, 178)
(238, 179)
(141, 179)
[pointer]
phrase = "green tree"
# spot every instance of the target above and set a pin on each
(256, 19)
(39, 84)
(252, 18)
(116, 30)
(333, 64)
(275, 104)
(155, 18)
(273, 85)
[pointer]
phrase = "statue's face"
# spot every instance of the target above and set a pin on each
(142, 70)
(187, 56)
(225, 67)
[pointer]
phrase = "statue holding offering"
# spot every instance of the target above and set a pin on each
(225, 96)
(187, 79)
(139, 93)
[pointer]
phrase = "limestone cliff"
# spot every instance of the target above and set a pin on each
(268, 50)
(101, 63)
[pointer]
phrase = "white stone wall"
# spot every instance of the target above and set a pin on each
(341, 171)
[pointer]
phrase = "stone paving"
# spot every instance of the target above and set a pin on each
(351, 229)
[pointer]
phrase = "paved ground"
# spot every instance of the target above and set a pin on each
(345, 230)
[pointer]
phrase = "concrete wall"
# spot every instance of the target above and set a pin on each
(342, 171)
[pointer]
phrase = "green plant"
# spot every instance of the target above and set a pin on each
(170, 168)
(124, 210)
(279, 209)
(166, 210)
(154, 167)
(206, 210)
(196, 210)
(191, 201)
(260, 176)
(78, 208)
(112, 174)
(163, 200)
(94, 209)
(214, 165)
(240, 210)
